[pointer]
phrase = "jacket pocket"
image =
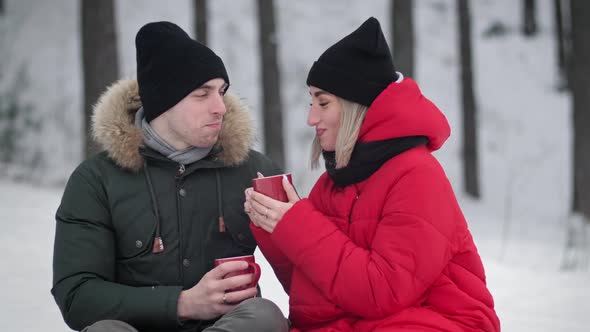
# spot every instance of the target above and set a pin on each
(238, 226)
(136, 239)
(136, 264)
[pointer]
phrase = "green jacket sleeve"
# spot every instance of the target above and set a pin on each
(264, 164)
(84, 284)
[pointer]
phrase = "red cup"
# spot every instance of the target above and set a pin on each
(272, 186)
(252, 268)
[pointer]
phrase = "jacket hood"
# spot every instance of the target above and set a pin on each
(113, 127)
(400, 111)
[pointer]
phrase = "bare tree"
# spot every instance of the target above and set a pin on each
(402, 27)
(470, 156)
(563, 41)
(529, 26)
(200, 16)
(271, 87)
(580, 86)
(557, 11)
(99, 57)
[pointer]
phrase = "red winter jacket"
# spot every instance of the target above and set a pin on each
(391, 253)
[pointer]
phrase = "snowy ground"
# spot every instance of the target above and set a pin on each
(527, 298)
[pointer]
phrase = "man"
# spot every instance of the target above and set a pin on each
(140, 224)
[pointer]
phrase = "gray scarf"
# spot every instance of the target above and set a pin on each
(154, 141)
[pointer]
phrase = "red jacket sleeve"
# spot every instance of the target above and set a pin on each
(279, 262)
(411, 246)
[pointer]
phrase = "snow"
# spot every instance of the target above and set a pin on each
(529, 300)
(522, 224)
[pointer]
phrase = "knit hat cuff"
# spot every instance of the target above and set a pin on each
(173, 87)
(343, 84)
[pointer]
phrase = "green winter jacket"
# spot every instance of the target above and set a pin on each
(104, 265)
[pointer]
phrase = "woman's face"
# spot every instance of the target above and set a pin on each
(324, 114)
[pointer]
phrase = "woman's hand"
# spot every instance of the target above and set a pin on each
(266, 212)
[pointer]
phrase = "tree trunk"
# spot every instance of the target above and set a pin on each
(529, 27)
(559, 35)
(563, 42)
(580, 85)
(200, 7)
(99, 58)
(402, 26)
(470, 158)
(271, 87)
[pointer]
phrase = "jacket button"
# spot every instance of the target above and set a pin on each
(182, 192)
(186, 263)
(138, 244)
(241, 236)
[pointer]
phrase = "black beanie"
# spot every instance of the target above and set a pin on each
(358, 67)
(170, 65)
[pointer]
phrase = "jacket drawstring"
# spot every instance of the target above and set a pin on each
(158, 243)
(220, 219)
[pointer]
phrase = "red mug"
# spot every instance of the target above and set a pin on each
(252, 268)
(272, 186)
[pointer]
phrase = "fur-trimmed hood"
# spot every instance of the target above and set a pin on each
(113, 127)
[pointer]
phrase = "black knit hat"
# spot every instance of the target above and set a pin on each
(170, 65)
(358, 67)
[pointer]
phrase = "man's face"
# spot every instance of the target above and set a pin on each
(196, 120)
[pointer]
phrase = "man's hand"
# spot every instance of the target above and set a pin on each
(208, 298)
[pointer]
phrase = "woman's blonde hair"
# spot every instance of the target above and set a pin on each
(351, 119)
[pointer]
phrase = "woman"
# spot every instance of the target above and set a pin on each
(381, 243)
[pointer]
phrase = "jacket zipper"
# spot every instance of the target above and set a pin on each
(180, 170)
(356, 198)
(179, 173)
